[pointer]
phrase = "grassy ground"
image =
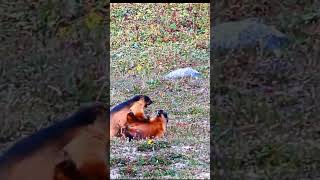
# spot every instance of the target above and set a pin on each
(266, 106)
(140, 57)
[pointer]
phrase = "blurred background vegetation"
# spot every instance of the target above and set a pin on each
(53, 61)
(265, 104)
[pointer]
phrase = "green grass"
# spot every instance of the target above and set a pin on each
(184, 151)
(154, 146)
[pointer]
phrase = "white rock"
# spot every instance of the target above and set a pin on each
(183, 72)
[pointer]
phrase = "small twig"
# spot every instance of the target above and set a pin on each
(55, 89)
(223, 134)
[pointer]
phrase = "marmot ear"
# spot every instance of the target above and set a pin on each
(131, 114)
(165, 114)
(159, 112)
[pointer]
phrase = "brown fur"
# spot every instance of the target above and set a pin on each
(88, 153)
(155, 128)
(67, 170)
(40, 156)
(118, 115)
